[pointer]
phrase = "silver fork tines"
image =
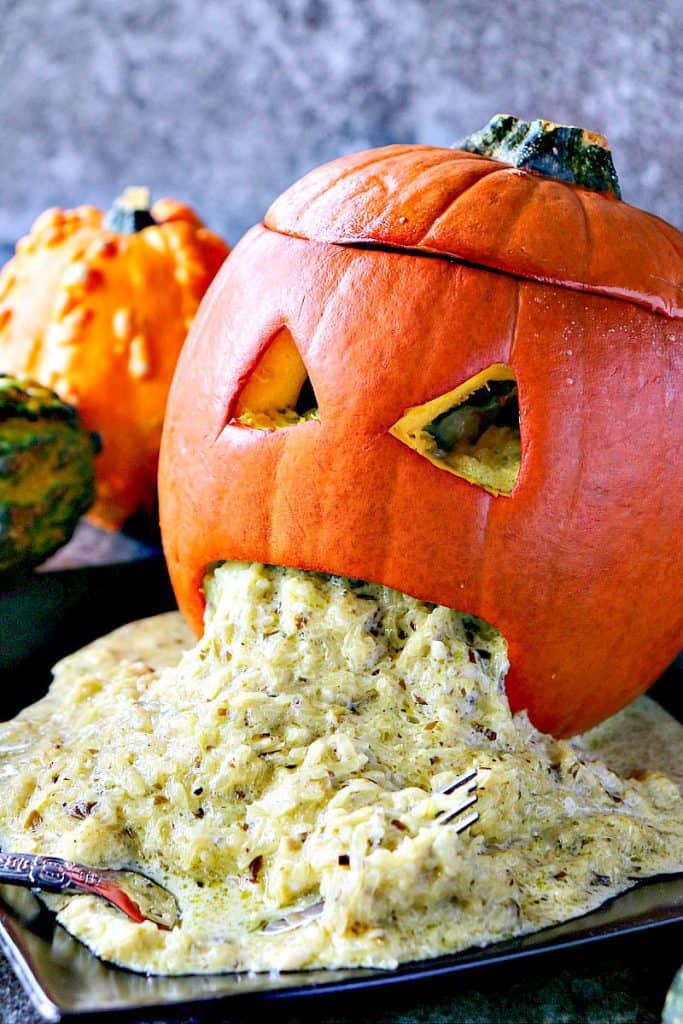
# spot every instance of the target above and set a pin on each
(462, 780)
(446, 817)
(468, 782)
(297, 918)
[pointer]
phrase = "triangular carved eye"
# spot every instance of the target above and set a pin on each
(278, 392)
(472, 431)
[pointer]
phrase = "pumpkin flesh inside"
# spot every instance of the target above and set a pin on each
(472, 431)
(279, 392)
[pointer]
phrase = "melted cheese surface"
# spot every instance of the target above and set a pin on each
(292, 756)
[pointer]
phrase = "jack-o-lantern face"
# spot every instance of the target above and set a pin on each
(472, 431)
(474, 438)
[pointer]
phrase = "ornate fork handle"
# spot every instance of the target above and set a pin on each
(137, 896)
(51, 874)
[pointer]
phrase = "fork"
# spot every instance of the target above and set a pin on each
(467, 782)
(137, 896)
(141, 899)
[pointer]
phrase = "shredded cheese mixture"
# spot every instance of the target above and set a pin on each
(274, 419)
(492, 460)
(292, 756)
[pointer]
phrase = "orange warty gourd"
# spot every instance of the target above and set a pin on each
(436, 370)
(98, 308)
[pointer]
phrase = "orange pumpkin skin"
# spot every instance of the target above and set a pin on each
(579, 567)
(101, 316)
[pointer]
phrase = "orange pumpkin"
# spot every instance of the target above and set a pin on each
(98, 309)
(411, 283)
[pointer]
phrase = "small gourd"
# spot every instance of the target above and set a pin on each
(97, 307)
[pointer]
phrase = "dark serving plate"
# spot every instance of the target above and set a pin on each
(55, 612)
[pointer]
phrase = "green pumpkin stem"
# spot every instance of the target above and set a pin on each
(556, 150)
(130, 212)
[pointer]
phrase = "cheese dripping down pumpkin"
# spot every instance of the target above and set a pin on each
(451, 372)
(283, 779)
(97, 307)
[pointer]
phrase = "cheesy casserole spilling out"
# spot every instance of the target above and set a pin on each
(292, 756)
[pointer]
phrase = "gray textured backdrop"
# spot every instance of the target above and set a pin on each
(223, 103)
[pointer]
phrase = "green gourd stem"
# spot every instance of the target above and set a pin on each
(555, 150)
(131, 212)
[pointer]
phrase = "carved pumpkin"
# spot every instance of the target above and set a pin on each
(456, 377)
(98, 309)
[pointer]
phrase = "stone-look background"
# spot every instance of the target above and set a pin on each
(224, 102)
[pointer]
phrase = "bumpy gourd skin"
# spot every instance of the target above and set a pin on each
(47, 472)
(100, 315)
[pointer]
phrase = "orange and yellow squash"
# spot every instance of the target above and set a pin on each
(98, 308)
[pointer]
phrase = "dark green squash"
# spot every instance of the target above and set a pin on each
(555, 150)
(47, 473)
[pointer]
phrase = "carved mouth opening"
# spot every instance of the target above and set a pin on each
(472, 432)
(279, 392)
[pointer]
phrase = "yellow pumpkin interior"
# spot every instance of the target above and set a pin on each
(279, 392)
(472, 431)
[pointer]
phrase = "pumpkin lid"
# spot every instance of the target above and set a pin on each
(532, 220)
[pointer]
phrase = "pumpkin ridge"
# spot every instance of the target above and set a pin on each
(321, 321)
(678, 287)
(406, 250)
(402, 219)
(452, 202)
(388, 163)
(575, 286)
(432, 172)
(329, 184)
(587, 228)
(436, 254)
(677, 252)
(664, 307)
(482, 598)
(510, 223)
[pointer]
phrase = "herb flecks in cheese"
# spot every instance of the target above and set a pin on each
(292, 755)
